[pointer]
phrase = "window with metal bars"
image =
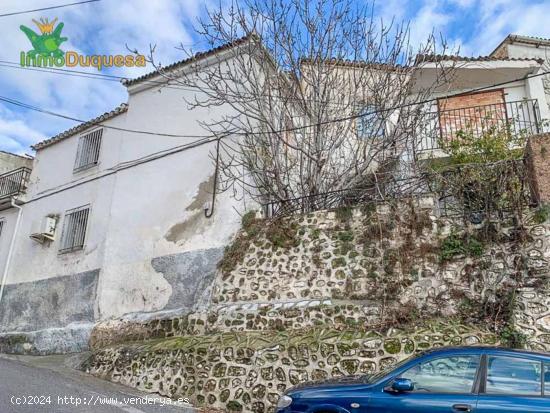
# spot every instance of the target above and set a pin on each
(87, 154)
(74, 229)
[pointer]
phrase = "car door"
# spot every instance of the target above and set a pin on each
(444, 384)
(512, 384)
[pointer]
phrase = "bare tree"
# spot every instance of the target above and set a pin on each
(323, 96)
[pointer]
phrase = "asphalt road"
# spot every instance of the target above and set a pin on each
(48, 384)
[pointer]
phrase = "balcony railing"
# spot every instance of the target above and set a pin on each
(389, 188)
(443, 127)
(13, 183)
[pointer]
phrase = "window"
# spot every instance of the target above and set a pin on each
(87, 154)
(370, 123)
(510, 375)
(1, 226)
(547, 379)
(444, 375)
(74, 229)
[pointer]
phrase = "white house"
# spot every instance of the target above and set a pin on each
(115, 217)
(518, 46)
(485, 91)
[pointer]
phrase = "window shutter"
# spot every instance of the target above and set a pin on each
(74, 229)
(87, 154)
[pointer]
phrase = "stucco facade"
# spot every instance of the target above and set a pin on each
(148, 246)
(517, 46)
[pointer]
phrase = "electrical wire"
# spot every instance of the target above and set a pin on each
(59, 115)
(293, 129)
(204, 141)
(191, 88)
(48, 8)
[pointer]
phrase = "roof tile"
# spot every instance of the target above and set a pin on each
(122, 108)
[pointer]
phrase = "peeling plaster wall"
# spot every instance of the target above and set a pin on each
(189, 275)
(160, 248)
(147, 234)
(49, 303)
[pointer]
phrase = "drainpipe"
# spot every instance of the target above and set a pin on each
(10, 251)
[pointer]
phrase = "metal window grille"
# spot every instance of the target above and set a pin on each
(74, 229)
(87, 154)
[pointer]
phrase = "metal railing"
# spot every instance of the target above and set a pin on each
(14, 182)
(445, 126)
(389, 188)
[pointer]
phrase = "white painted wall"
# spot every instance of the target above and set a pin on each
(521, 50)
(10, 162)
(137, 213)
(9, 217)
(152, 202)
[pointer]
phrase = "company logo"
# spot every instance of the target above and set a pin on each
(46, 50)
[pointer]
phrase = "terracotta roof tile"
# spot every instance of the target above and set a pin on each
(426, 58)
(79, 128)
(195, 57)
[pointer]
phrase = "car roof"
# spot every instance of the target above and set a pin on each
(486, 350)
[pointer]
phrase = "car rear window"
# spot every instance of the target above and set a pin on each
(513, 376)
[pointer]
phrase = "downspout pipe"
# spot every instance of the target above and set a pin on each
(10, 251)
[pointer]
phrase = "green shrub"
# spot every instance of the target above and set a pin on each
(541, 214)
(345, 236)
(344, 213)
(510, 337)
(455, 245)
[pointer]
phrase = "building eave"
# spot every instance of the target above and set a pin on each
(433, 58)
(193, 59)
(83, 126)
(517, 38)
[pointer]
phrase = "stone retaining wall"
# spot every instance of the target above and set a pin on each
(248, 371)
(308, 298)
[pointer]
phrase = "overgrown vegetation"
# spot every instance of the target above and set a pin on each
(235, 252)
(281, 233)
(484, 174)
(344, 213)
(456, 245)
(541, 214)
(509, 336)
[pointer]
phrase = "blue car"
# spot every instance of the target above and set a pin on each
(443, 380)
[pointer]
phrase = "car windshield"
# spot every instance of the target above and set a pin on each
(375, 377)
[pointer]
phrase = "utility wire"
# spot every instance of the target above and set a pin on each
(191, 88)
(252, 133)
(48, 8)
(59, 115)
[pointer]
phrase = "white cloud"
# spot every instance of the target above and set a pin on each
(499, 18)
(15, 134)
(104, 27)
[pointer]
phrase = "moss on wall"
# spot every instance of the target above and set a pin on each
(252, 369)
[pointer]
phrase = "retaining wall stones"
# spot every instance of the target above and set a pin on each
(248, 371)
(306, 301)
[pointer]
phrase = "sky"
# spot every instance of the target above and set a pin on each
(110, 26)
